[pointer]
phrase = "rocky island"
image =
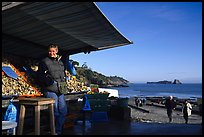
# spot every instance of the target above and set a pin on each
(176, 81)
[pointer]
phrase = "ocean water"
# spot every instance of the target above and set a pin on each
(161, 90)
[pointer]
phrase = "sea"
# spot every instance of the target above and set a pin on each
(161, 90)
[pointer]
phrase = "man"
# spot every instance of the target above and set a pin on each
(170, 104)
(51, 71)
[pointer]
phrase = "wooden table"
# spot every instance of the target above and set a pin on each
(36, 102)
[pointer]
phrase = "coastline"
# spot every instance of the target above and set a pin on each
(185, 90)
(157, 113)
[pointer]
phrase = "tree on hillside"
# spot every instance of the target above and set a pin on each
(84, 66)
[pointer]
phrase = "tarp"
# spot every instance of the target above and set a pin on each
(29, 27)
(10, 72)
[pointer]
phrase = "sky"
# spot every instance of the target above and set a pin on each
(167, 42)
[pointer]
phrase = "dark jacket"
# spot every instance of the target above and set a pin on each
(51, 71)
(170, 104)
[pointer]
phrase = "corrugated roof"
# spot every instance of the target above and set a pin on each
(29, 27)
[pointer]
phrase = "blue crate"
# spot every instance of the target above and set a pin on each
(99, 117)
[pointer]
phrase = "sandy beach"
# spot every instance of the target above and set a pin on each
(157, 114)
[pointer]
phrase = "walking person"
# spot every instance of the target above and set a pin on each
(51, 71)
(186, 110)
(170, 105)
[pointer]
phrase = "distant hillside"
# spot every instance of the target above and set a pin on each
(92, 77)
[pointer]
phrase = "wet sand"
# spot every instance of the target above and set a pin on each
(157, 114)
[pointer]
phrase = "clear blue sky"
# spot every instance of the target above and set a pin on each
(167, 42)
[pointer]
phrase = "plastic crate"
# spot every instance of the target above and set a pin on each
(123, 102)
(99, 105)
(99, 117)
(98, 96)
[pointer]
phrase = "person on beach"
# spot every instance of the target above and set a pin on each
(170, 105)
(137, 103)
(186, 110)
(51, 71)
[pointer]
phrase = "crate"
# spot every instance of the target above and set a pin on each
(123, 102)
(99, 117)
(99, 104)
(120, 113)
(98, 96)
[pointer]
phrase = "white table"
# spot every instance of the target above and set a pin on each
(6, 125)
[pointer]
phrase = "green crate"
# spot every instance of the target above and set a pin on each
(98, 96)
(123, 102)
(98, 109)
(99, 105)
(98, 102)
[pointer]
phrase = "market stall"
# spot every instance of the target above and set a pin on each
(27, 30)
(22, 87)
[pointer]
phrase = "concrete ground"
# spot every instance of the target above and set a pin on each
(153, 123)
(114, 127)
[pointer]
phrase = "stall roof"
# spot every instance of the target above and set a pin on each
(29, 27)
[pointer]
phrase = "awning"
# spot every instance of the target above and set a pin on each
(29, 27)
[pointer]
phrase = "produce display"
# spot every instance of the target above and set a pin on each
(18, 87)
(25, 84)
(92, 92)
(76, 86)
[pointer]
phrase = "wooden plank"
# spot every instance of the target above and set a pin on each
(36, 101)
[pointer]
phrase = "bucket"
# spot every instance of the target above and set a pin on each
(123, 102)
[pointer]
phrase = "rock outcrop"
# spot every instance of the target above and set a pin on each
(176, 81)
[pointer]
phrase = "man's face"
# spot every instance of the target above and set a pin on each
(52, 52)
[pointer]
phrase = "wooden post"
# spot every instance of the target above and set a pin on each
(37, 120)
(52, 119)
(21, 120)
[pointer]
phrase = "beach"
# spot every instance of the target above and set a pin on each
(156, 113)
